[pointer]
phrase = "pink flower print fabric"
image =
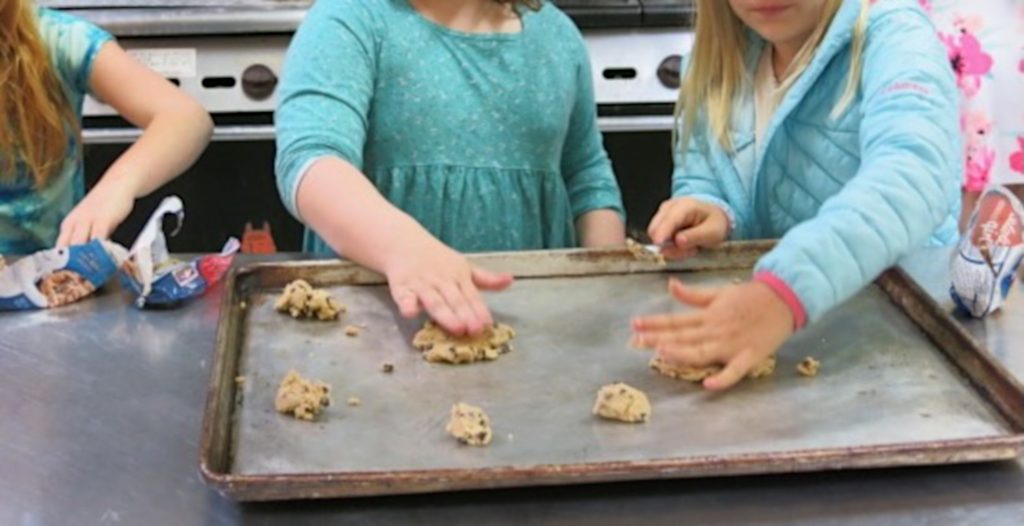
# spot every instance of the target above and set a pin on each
(985, 43)
(1017, 159)
(969, 60)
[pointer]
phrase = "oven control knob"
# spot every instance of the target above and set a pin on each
(258, 82)
(668, 71)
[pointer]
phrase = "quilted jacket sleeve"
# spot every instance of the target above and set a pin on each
(693, 177)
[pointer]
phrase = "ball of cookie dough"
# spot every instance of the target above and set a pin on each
(765, 368)
(640, 253)
(64, 287)
(293, 299)
(469, 425)
(698, 374)
(322, 306)
(808, 366)
(301, 398)
(621, 402)
(300, 300)
(439, 346)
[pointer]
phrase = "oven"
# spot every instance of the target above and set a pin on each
(228, 54)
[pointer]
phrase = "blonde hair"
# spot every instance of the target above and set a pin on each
(530, 4)
(36, 119)
(717, 68)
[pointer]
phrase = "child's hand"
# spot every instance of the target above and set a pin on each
(96, 217)
(690, 224)
(737, 326)
(441, 281)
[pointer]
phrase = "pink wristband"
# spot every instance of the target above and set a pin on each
(787, 295)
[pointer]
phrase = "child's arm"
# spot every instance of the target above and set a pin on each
(593, 192)
(906, 186)
(321, 123)
(697, 216)
(176, 129)
(339, 202)
(601, 228)
(909, 177)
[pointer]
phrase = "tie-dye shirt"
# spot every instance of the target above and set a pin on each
(29, 216)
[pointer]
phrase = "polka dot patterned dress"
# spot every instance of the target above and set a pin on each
(490, 141)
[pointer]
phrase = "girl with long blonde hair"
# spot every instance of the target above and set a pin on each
(411, 131)
(829, 124)
(49, 61)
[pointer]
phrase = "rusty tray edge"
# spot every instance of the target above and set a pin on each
(987, 375)
(370, 484)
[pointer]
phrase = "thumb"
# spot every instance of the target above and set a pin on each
(734, 371)
(406, 300)
(486, 280)
(707, 233)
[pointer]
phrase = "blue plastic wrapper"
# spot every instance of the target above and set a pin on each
(989, 255)
(59, 276)
(175, 281)
(160, 281)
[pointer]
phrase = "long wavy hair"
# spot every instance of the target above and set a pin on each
(36, 119)
(717, 71)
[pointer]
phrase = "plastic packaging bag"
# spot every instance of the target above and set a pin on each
(989, 255)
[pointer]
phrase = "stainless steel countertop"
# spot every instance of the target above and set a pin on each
(101, 407)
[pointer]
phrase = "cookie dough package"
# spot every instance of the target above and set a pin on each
(160, 281)
(59, 276)
(986, 261)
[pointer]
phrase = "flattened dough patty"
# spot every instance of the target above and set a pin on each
(439, 346)
(698, 374)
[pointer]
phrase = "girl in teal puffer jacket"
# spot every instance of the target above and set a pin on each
(831, 124)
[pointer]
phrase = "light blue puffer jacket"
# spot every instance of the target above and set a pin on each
(849, 196)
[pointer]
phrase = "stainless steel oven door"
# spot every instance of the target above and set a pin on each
(231, 188)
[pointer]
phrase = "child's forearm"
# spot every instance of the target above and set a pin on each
(346, 210)
(600, 228)
(170, 143)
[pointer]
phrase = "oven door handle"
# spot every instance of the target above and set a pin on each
(638, 123)
(255, 132)
(265, 132)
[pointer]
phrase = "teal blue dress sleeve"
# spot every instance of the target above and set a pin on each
(589, 178)
(325, 96)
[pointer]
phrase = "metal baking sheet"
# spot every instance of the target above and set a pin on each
(900, 384)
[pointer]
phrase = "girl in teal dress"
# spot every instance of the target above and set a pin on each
(412, 130)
